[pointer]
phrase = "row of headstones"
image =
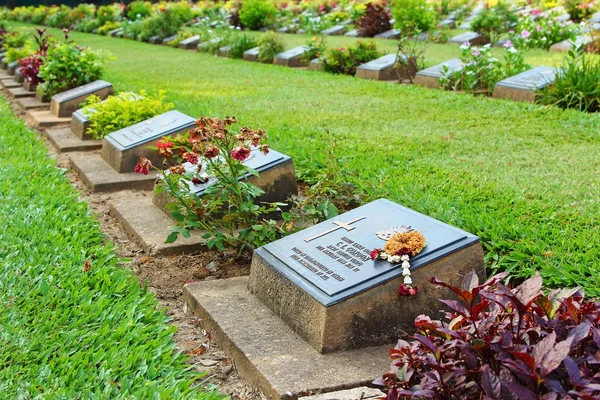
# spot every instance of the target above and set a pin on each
(320, 282)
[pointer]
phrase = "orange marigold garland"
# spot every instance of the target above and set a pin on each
(400, 248)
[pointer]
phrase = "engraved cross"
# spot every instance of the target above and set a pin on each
(339, 224)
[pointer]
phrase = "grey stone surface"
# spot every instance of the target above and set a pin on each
(358, 393)
(315, 64)
(471, 37)
(9, 84)
(523, 86)
(19, 92)
(31, 103)
(29, 86)
(169, 39)
(465, 25)
(448, 23)
(190, 43)
(44, 119)
(252, 54)
(391, 34)
(149, 227)
(65, 141)
(123, 149)
(595, 18)
(80, 124)
(267, 353)
(323, 283)
(383, 69)
(64, 104)
(334, 30)
(18, 76)
(98, 176)
(291, 58)
(115, 32)
(568, 44)
(429, 77)
(12, 67)
(224, 51)
(155, 40)
(352, 33)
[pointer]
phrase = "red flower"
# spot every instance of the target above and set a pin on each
(375, 254)
(164, 144)
(191, 158)
(143, 166)
(240, 153)
(177, 169)
(407, 291)
(211, 152)
(196, 180)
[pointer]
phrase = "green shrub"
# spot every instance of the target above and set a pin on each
(239, 43)
(83, 11)
(413, 15)
(67, 66)
(576, 83)
(580, 10)
(15, 54)
(314, 48)
(106, 14)
(123, 110)
(181, 35)
(109, 26)
(139, 10)
(345, 61)
(87, 25)
(255, 14)
(164, 24)
(493, 22)
(15, 39)
(270, 44)
(61, 19)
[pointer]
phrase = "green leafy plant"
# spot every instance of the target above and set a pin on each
(109, 26)
(256, 14)
(123, 110)
(16, 54)
(494, 22)
(62, 18)
(239, 43)
(164, 24)
(15, 39)
(139, 9)
(227, 212)
(345, 61)
(541, 32)
(67, 66)
(315, 48)
(576, 84)
(580, 10)
(108, 13)
(412, 15)
(270, 44)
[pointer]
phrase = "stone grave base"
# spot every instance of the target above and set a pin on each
(29, 103)
(9, 84)
(362, 392)
(149, 227)
(19, 92)
(427, 81)
(101, 177)
(65, 141)
(5, 75)
(504, 92)
(45, 119)
(267, 353)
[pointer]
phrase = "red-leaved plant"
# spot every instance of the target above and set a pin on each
(374, 21)
(30, 66)
(501, 343)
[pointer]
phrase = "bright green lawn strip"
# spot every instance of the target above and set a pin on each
(523, 177)
(66, 333)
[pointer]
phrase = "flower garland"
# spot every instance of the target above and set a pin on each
(399, 248)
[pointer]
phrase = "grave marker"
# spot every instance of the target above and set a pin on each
(155, 40)
(429, 77)
(568, 44)
(224, 51)
(472, 37)
(169, 39)
(391, 34)
(523, 86)
(315, 64)
(323, 284)
(190, 43)
(12, 67)
(352, 33)
(291, 58)
(64, 104)
(334, 30)
(382, 69)
(252, 54)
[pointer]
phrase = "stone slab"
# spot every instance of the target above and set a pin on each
(169, 39)
(568, 44)
(32, 103)
(115, 32)
(449, 23)
(224, 51)
(45, 119)
(595, 18)
(80, 124)
(20, 78)
(29, 85)
(334, 30)
(149, 227)
(391, 34)
(190, 43)
(465, 25)
(323, 283)
(5, 75)
(155, 40)
(9, 84)
(267, 353)
(123, 149)
(252, 54)
(352, 33)
(429, 77)
(382, 69)
(315, 65)
(19, 92)
(291, 58)
(358, 393)
(284, 29)
(523, 86)
(66, 103)
(64, 141)
(472, 37)
(12, 68)
(98, 176)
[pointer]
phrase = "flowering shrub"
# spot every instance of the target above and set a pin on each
(314, 48)
(123, 110)
(165, 23)
(239, 43)
(18, 53)
(15, 39)
(313, 24)
(541, 33)
(270, 44)
(227, 212)
(580, 10)
(481, 71)
(412, 15)
(493, 22)
(62, 18)
(138, 9)
(501, 343)
(345, 61)
(373, 21)
(67, 66)
(576, 83)
(256, 14)
(108, 13)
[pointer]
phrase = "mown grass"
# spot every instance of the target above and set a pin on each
(67, 333)
(525, 178)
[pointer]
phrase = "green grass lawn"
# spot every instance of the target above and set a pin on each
(525, 178)
(65, 332)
